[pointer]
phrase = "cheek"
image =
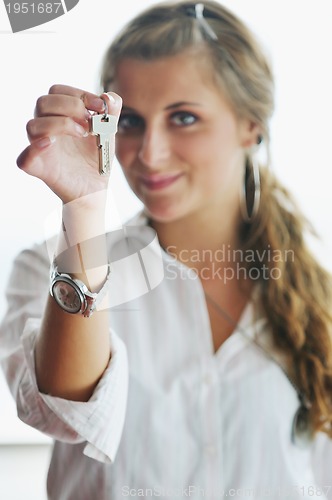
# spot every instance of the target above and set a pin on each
(216, 158)
(203, 151)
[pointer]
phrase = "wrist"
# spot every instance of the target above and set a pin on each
(74, 295)
(85, 214)
(83, 220)
(81, 248)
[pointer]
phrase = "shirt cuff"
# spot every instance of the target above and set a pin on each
(98, 421)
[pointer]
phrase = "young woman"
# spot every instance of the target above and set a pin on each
(205, 370)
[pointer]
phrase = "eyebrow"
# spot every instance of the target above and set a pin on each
(171, 106)
(182, 103)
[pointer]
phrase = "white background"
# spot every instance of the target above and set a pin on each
(298, 38)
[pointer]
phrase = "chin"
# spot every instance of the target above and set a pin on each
(164, 214)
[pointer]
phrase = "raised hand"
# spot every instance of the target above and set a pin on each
(62, 153)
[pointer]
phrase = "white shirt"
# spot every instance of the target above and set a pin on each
(170, 418)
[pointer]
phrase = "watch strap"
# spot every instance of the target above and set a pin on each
(92, 299)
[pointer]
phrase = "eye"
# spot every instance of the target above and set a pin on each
(183, 119)
(130, 123)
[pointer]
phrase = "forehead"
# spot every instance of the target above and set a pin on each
(182, 74)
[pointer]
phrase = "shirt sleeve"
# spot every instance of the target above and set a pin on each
(98, 422)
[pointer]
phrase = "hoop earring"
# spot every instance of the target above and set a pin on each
(250, 198)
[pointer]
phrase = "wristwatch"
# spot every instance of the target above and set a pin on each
(72, 295)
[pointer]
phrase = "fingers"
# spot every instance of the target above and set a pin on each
(51, 126)
(114, 103)
(68, 102)
(89, 100)
(59, 150)
(65, 111)
(60, 105)
(29, 159)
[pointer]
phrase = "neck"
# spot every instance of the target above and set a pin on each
(197, 240)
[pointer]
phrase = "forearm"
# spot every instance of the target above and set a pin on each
(72, 351)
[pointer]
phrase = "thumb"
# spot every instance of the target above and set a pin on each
(114, 103)
(31, 159)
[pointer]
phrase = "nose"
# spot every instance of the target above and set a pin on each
(155, 149)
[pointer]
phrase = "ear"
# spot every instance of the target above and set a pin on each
(250, 133)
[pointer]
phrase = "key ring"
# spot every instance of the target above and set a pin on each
(105, 109)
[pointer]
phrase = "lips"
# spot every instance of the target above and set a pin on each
(159, 181)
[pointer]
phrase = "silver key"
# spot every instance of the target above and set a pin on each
(103, 126)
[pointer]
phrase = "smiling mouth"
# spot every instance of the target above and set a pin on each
(157, 181)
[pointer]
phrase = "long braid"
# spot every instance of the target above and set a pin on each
(298, 302)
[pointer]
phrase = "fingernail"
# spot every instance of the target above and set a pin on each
(111, 97)
(97, 104)
(80, 130)
(45, 142)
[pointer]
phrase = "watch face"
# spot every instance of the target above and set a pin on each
(67, 296)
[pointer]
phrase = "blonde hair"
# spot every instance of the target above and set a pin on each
(169, 28)
(297, 304)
